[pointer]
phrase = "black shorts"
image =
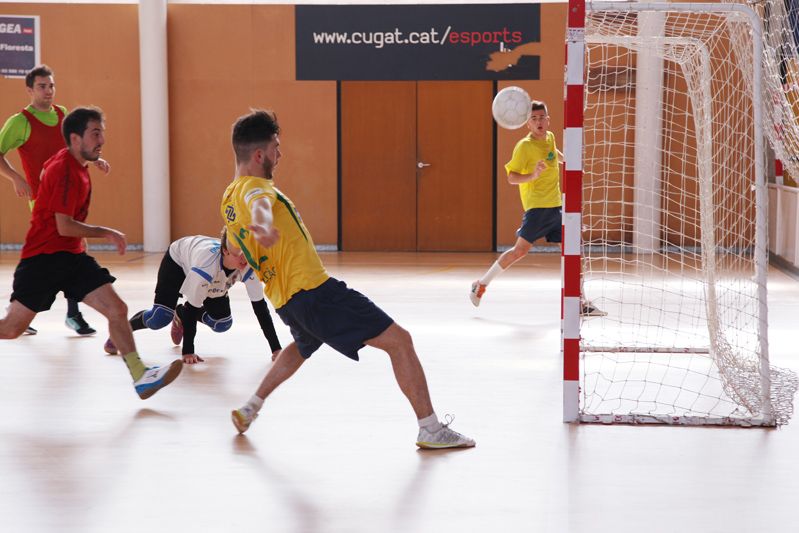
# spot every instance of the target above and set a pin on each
(167, 290)
(541, 222)
(333, 314)
(38, 279)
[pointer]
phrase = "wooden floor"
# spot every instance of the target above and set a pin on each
(333, 449)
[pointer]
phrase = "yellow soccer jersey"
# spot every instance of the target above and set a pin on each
(292, 264)
(545, 191)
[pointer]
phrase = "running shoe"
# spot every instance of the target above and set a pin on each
(478, 289)
(156, 378)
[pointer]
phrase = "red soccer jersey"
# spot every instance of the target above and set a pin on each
(44, 141)
(65, 188)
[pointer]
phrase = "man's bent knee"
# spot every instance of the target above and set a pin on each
(218, 325)
(158, 317)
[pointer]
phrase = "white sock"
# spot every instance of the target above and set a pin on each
(255, 403)
(430, 423)
(492, 272)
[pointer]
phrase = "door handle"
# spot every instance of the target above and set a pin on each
(422, 165)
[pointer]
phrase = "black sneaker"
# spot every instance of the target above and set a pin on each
(79, 325)
(30, 331)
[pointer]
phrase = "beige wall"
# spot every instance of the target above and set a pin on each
(223, 59)
(93, 50)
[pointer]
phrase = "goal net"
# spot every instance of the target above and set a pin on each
(780, 25)
(674, 220)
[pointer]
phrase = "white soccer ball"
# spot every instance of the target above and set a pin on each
(511, 107)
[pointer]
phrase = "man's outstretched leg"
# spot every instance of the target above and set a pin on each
(16, 321)
(509, 257)
(408, 371)
(287, 362)
(146, 380)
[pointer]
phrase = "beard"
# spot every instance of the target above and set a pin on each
(89, 156)
(268, 168)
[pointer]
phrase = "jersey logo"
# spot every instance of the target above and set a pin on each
(550, 156)
(230, 213)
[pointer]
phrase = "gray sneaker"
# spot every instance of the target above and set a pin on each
(79, 325)
(443, 438)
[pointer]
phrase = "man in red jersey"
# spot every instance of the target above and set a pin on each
(36, 133)
(54, 257)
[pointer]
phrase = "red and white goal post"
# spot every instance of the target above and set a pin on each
(664, 219)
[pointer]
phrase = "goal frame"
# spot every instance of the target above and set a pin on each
(571, 252)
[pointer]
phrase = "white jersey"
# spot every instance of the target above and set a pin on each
(200, 257)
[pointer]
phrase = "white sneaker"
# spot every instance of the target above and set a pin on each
(156, 378)
(589, 309)
(443, 438)
(478, 289)
(242, 418)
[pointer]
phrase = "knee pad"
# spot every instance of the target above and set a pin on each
(158, 317)
(223, 324)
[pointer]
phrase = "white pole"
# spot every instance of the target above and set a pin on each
(648, 134)
(154, 124)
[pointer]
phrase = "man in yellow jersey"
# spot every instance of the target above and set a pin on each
(318, 309)
(535, 168)
(36, 133)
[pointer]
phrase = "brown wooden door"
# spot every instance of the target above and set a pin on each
(378, 158)
(455, 193)
(387, 201)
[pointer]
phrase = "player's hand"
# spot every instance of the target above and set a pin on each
(22, 188)
(266, 237)
(275, 354)
(103, 165)
(118, 239)
(192, 358)
(540, 167)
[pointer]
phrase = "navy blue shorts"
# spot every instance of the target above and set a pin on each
(541, 222)
(335, 315)
(38, 279)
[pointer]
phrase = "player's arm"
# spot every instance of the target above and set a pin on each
(267, 326)
(190, 317)
(262, 226)
(69, 227)
(516, 178)
(13, 135)
(21, 186)
(103, 165)
(561, 157)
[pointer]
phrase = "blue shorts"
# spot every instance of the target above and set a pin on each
(541, 222)
(335, 315)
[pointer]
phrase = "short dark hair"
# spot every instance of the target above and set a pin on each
(538, 105)
(258, 127)
(35, 72)
(78, 120)
(223, 239)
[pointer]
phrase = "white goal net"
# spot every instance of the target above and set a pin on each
(780, 32)
(674, 221)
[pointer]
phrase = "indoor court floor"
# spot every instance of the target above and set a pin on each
(333, 449)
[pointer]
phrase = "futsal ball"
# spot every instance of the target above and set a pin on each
(511, 107)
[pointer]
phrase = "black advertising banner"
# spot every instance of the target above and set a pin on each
(19, 45)
(418, 42)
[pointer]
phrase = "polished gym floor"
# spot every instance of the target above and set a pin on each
(333, 449)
